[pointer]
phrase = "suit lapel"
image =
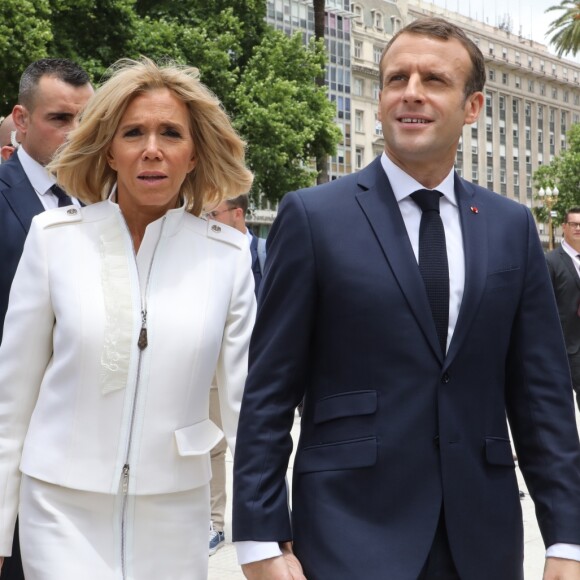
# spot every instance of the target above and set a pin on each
(380, 207)
(473, 227)
(569, 265)
(19, 193)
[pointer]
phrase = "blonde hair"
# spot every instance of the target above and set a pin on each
(81, 165)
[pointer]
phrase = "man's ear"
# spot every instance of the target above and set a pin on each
(20, 116)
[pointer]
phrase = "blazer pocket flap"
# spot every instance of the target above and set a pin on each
(345, 405)
(499, 452)
(198, 439)
(337, 456)
(502, 278)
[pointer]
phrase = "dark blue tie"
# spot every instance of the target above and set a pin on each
(63, 198)
(433, 260)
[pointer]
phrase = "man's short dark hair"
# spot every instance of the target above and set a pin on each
(241, 201)
(440, 28)
(61, 68)
(571, 210)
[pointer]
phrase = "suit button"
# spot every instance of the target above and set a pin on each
(445, 378)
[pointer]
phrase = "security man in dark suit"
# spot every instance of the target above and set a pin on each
(51, 94)
(564, 267)
(231, 212)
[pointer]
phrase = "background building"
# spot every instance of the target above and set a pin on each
(532, 97)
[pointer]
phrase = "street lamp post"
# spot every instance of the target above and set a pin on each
(548, 196)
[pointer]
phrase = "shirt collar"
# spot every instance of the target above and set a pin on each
(40, 179)
(570, 250)
(404, 185)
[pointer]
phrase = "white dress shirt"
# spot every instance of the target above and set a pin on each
(40, 179)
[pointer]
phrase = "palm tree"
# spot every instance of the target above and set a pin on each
(566, 28)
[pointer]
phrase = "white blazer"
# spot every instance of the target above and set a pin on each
(79, 400)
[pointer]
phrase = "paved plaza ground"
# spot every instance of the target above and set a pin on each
(224, 566)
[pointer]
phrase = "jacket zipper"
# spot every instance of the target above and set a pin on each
(142, 345)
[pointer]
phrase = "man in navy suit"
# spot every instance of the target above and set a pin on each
(231, 212)
(51, 94)
(404, 468)
(564, 267)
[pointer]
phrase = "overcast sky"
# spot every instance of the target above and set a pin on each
(527, 16)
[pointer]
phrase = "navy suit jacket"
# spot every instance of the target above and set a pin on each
(392, 430)
(18, 205)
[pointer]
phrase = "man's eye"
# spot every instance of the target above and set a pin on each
(172, 133)
(132, 133)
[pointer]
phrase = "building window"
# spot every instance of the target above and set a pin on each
(491, 74)
(474, 174)
(516, 178)
(358, 88)
(542, 65)
(517, 57)
(358, 48)
(377, 51)
(515, 106)
(378, 17)
(359, 157)
(540, 136)
(501, 103)
(504, 52)
(530, 61)
(554, 69)
(540, 112)
(517, 82)
(530, 86)
(376, 90)
(542, 89)
(359, 121)
(565, 96)
(504, 78)
(378, 126)
(491, 49)
(554, 93)
(358, 14)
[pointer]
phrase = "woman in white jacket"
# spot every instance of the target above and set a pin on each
(120, 314)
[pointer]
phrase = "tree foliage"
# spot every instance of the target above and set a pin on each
(562, 172)
(284, 114)
(25, 34)
(566, 28)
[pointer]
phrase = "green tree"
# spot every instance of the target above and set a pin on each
(94, 33)
(25, 34)
(566, 28)
(564, 173)
(283, 114)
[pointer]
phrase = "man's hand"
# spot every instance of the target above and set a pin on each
(284, 567)
(561, 569)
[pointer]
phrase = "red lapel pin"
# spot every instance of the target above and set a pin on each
(474, 209)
